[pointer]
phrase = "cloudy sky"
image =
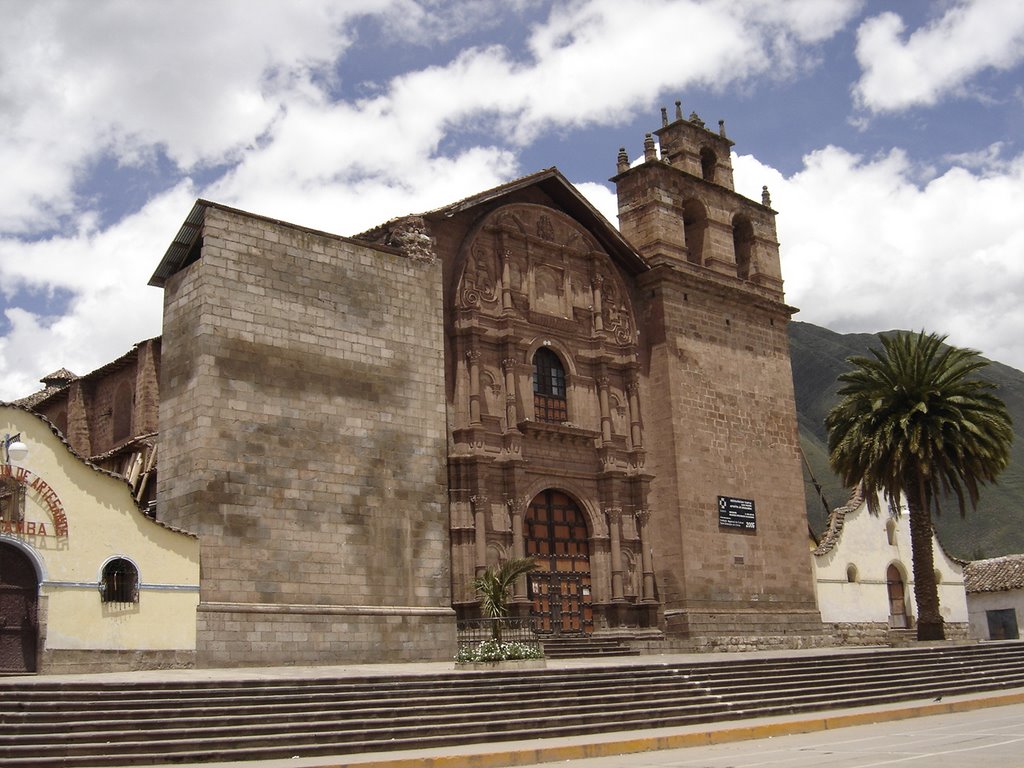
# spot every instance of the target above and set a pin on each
(889, 135)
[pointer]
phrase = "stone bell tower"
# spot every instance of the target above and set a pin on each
(727, 499)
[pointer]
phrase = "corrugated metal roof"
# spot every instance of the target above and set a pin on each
(177, 252)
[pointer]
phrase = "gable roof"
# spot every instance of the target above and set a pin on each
(561, 191)
(997, 574)
(181, 252)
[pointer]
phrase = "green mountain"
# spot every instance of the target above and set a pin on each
(995, 528)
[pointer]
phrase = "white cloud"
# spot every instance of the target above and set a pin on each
(111, 308)
(867, 248)
(603, 198)
(199, 81)
(248, 102)
(937, 60)
(348, 165)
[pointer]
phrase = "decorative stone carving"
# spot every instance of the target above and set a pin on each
(517, 503)
(501, 518)
(615, 313)
(479, 283)
(411, 237)
(544, 228)
(532, 260)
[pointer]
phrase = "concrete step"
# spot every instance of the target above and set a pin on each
(78, 724)
(586, 646)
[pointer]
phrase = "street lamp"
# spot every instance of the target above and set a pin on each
(15, 451)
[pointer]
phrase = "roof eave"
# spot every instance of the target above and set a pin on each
(177, 252)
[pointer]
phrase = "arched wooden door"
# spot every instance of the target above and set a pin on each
(557, 539)
(897, 598)
(19, 630)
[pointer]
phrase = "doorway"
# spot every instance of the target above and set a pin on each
(19, 626)
(897, 598)
(557, 538)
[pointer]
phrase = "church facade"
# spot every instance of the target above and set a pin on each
(355, 427)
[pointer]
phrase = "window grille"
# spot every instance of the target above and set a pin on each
(120, 582)
(549, 401)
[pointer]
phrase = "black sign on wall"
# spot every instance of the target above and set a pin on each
(736, 513)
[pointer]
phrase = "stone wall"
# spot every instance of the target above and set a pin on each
(303, 438)
(65, 661)
(103, 409)
(717, 388)
(720, 378)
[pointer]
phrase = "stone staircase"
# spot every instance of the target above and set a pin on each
(585, 646)
(73, 723)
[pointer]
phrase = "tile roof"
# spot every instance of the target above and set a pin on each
(53, 383)
(57, 433)
(997, 574)
(830, 537)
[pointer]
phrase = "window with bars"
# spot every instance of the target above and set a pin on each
(120, 582)
(549, 401)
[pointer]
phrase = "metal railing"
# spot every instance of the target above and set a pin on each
(472, 632)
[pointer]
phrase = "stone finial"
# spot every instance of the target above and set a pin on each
(695, 119)
(721, 129)
(766, 198)
(664, 117)
(679, 110)
(622, 161)
(650, 152)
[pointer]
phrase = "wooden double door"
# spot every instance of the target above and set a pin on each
(19, 628)
(558, 540)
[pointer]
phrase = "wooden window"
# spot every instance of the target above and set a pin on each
(549, 401)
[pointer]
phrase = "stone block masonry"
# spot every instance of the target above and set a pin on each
(303, 438)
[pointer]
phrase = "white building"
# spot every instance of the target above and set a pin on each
(88, 580)
(864, 576)
(995, 597)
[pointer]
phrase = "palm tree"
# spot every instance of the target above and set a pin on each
(494, 586)
(914, 422)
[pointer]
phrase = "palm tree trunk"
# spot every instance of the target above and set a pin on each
(926, 591)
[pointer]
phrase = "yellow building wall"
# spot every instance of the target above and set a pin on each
(101, 522)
